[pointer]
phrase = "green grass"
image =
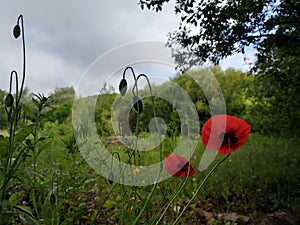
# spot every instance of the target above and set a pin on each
(262, 176)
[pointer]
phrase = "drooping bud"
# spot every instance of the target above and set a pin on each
(9, 100)
(184, 129)
(110, 177)
(123, 87)
(137, 104)
(17, 31)
(52, 199)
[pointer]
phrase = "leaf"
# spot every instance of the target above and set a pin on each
(7, 217)
(27, 219)
(24, 132)
(15, 198)
(28, 111)
(25, 209)
(43, 146)
(49, 210)
(109, 204)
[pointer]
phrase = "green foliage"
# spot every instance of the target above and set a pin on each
(213, 30)
(3, 115)
(62, 112)
(103, 114)
(276, 94)
(262, 175)
(62, 95)
(61, 99)
(235, 86)
(45, 180)
(216, 29)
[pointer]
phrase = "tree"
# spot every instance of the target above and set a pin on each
(62, 100)
(215, 29)
(103, 114)
(236, 87)
(277, 94)
(61, 95)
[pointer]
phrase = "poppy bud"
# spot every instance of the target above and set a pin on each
(137, 104)
(123, 87)
(52, 199)
(28, 142)
(110, 177)
(17, 31)
(9, 100)
(185, 129)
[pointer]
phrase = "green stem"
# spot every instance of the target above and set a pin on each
(102, 204)
(112, 188)
(122, 199)
(199, 188)
(24, 56)
(173, 198)
(147, 201)
(15, 115)
(160, 149)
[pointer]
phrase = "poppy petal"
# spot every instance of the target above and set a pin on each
(225, 126)
(178, 166)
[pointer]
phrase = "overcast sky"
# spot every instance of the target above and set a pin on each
(64, 38)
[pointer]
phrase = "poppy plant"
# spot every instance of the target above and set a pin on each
(225, 133)
(178, 166)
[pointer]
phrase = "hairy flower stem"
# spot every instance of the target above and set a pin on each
(154, 115)
(199, 188)
(147, 201)
(13, 118)
(174, 197)
(113, 186)
(136, 93)
(24, 56)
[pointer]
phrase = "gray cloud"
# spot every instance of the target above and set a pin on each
(64, 37)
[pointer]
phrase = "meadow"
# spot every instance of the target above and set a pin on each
(46, 179)
(260, 178)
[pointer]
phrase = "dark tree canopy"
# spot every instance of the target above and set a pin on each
(211, 30)
(215, 29)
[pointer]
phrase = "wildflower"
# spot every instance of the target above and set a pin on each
(24, 202)
(225, 133)
(176, 209)
(178, 166)
(136, 171)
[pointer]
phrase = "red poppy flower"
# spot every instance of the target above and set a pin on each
(225, 133)
(178, 166)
